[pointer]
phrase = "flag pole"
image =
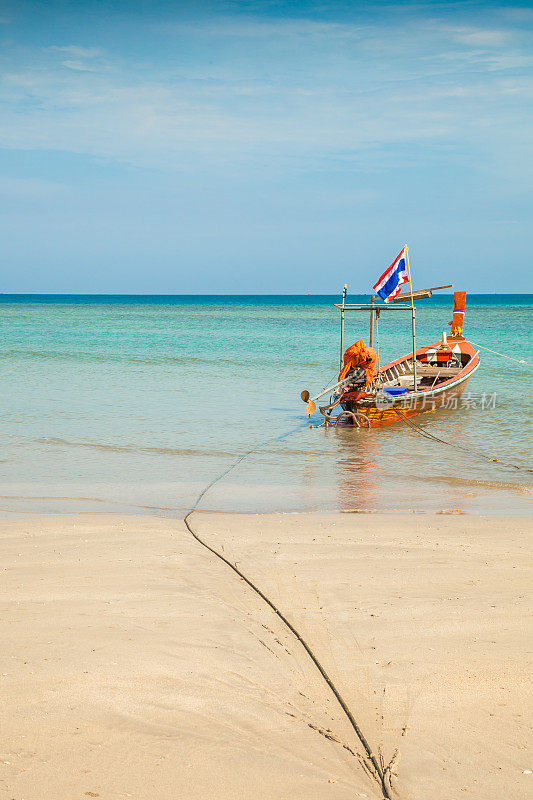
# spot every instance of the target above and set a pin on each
(413, 317)
(345, 289)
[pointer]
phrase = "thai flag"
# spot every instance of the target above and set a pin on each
(388, 286)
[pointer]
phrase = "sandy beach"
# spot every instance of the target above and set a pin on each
(137, 665)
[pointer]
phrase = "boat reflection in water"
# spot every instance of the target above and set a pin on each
(373, 472)
(357, 468)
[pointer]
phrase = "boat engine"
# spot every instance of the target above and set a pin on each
(355, 379)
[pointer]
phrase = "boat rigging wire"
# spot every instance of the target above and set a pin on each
(432, 436)
(518, 360)
(381, 775)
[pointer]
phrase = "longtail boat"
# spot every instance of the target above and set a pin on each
(369, 395)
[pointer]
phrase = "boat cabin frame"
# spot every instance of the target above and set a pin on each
(375, 309)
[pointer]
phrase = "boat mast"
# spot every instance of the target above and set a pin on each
(342, 323)
(413, 318)
(371, 337)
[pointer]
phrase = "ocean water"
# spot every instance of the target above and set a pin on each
(134, 404)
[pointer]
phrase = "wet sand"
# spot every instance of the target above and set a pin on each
(136, 664)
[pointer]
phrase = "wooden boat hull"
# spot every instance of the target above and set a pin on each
(374, 411)
(378, 417)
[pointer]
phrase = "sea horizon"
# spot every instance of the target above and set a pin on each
(10, 295)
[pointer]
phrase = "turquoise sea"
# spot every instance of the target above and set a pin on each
(134, 403)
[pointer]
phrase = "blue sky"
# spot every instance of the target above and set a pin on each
(216, 147)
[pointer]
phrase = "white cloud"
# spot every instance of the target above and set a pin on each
(342, 103)
(155, 124)
(480, 37)
(79, 66)
(257, 28)
(79, 59)
(75, 51)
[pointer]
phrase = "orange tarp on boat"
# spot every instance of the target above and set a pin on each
(359, 355)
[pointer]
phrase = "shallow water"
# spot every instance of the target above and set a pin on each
(135, 403)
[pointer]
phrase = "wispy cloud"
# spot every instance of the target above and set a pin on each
(80, 66)
(254, 27)
(333, 91)
(79, 59)
(480, 37)
(75, 51)
(156, 124)
(259, 135)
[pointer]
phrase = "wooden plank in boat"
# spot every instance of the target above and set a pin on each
(427, 371)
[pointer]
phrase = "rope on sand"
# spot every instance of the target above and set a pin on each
(379, 774)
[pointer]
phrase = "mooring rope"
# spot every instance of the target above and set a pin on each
(518, 360)
(432, 436)
(380, 773)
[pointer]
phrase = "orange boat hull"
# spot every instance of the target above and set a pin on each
(374, 413)
(378, 417)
